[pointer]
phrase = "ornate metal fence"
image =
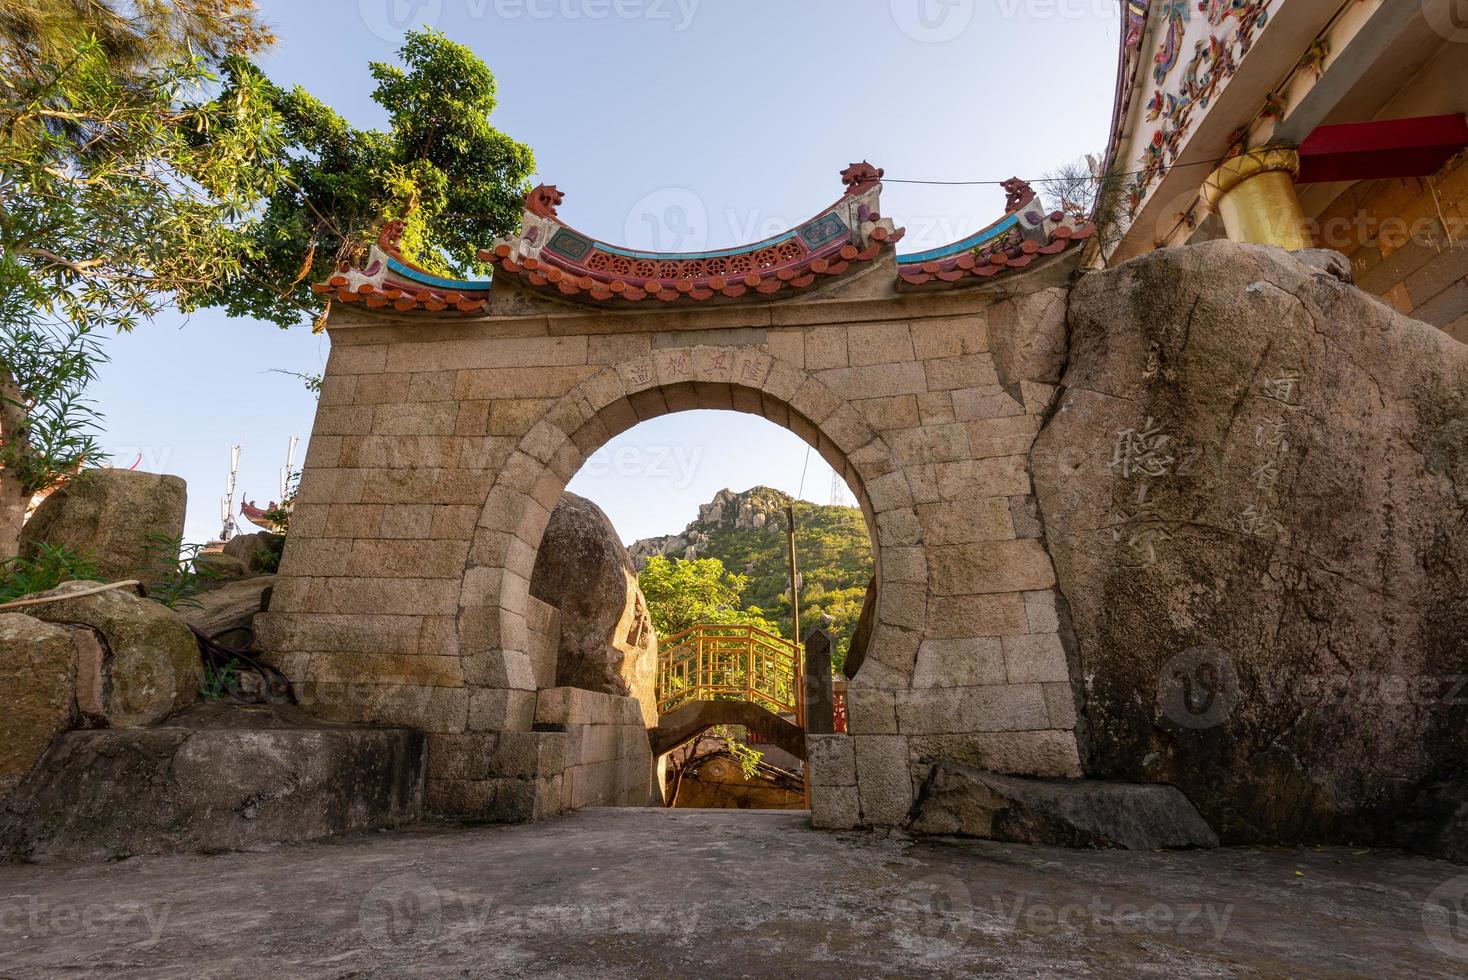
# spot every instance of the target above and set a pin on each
(731, 663)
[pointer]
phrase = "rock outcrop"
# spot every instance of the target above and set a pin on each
(1253, 489)
(216, 777)
(38, 672)
(151, 667)
(227, 612)
(608, 643)
(751, 510)
(968, 802)
(259, 551)
(121, 519)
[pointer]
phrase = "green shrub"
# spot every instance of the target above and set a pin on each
(48, 569)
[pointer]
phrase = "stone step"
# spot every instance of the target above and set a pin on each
(968, 802)
(213, 778)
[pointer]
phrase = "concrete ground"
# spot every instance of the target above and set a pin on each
(641, 893)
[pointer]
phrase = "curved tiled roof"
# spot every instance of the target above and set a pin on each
(1025, 235)
(549, 255)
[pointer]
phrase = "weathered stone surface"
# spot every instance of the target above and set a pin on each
(1028, 337)
(227, 611)
(1252, 491)
(216, 568)
(37, 692)
(153, 667)
(215, 778)
(1437, 822)
(607, 640)
(1049, 753)
(588, 895)
(117, 517)
(252, 549)
(968, 802)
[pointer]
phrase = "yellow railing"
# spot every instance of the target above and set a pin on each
(731, 663)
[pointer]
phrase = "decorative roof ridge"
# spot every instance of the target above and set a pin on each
(549, 255)
(1025, 235)
(390, 279)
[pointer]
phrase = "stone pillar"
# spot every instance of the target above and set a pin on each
(820, 705)
(1254, 195)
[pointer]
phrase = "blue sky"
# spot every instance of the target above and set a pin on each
(682, 124)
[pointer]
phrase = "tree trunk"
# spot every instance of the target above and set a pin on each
(13, 495)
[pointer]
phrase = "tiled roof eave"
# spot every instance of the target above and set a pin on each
(972, 267)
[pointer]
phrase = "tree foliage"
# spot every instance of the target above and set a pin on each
(1083, 192)
(131, 36)
(834, 554)
(682, 594)
(123, 184)
(47, 423)
(440, 166)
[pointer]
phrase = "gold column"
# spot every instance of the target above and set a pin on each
(1254, 194)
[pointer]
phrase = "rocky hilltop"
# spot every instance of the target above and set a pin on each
(751, 510)
(746, 531)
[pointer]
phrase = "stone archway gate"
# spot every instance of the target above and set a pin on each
(453, 414)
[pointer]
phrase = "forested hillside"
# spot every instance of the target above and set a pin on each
(746, 531)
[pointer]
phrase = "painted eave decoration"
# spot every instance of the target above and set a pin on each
(550, 256)
(1025, 235)
(391, 281)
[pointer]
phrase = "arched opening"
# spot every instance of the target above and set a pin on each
(502, 623)
(666, 571)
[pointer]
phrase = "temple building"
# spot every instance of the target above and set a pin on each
(1300, 123)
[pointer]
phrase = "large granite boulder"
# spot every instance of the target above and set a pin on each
(963, 801)
(259, 551)
(227, 611)
(1253, 490)
(152, 666)
(37, 692)
(607, 640)
(215, 777)
(121, 519)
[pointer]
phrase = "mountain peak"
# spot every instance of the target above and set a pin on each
(752, 510)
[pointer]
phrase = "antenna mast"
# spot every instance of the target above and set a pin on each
(226, 503)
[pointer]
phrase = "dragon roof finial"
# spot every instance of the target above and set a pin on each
(544, 200)
(1019, 194)
(861, 177)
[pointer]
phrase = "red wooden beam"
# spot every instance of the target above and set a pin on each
(1414, 147)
